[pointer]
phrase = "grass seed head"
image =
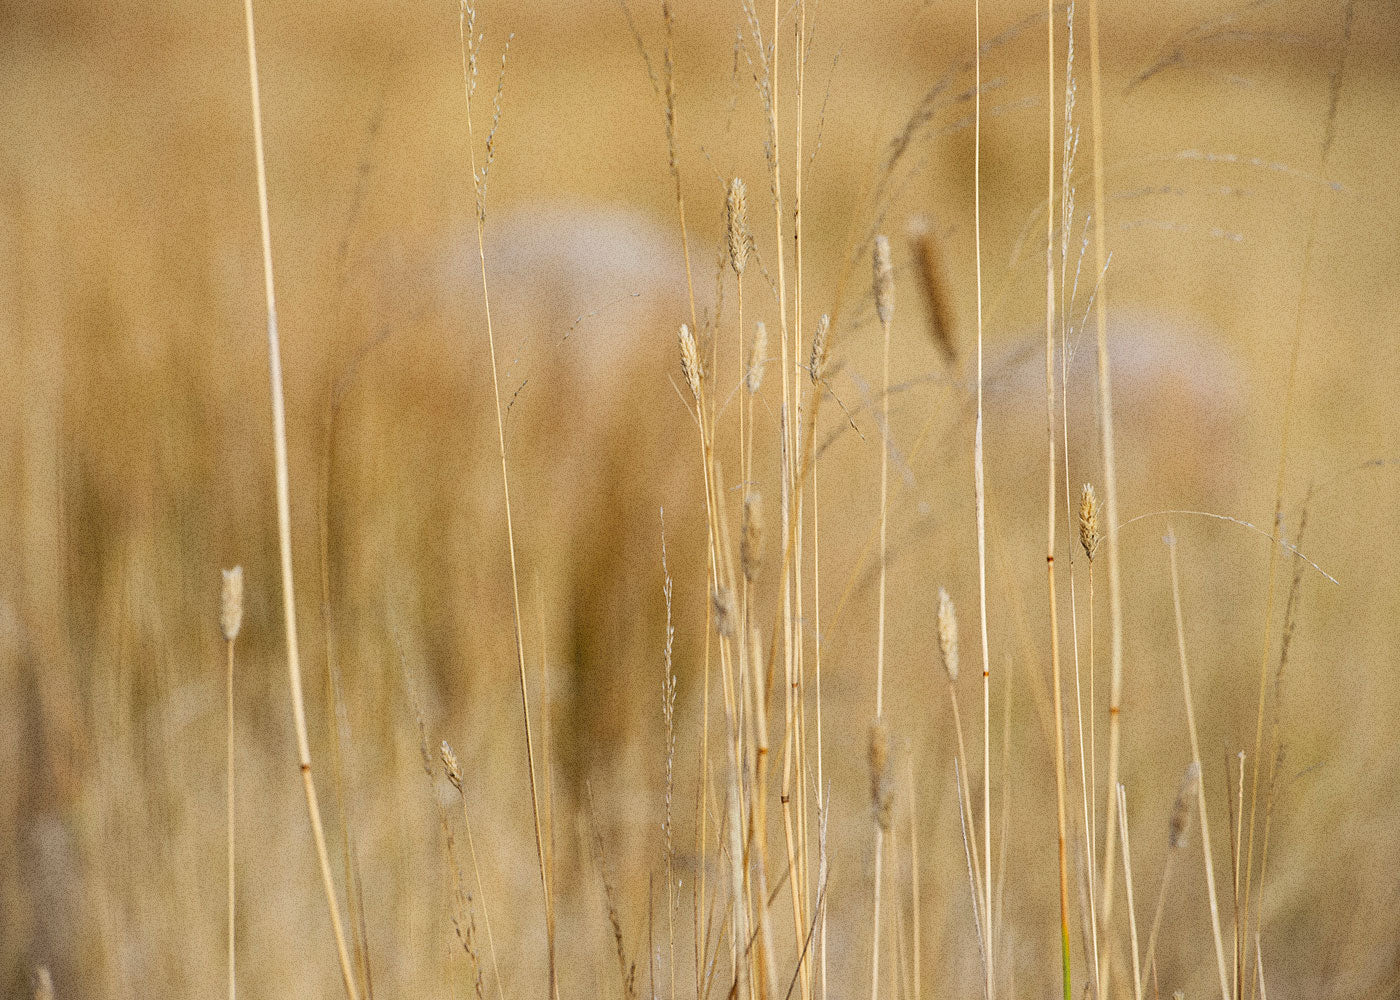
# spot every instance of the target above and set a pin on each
(725, 616)
(948, 634)
(758, 350)
(881, 787)
(231, 603)
(737, 217)
(751, 542)
(930, 272)
(690, 361)
(449, 765)
(884, 280)
(1181, 809)
(1089, 536)
(820, 349)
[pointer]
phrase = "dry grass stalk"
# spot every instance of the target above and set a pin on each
(454, 775)
(948, 647)
(1050, 518)
(469, 41)
(1128, 882)
(1110, 470)
(980, 496)
(1196, 763)
(1177, 829)
(883, 287)
(1266, 639)
(230, 622)
(284, 520)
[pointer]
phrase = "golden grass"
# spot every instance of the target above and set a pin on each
(573, 833)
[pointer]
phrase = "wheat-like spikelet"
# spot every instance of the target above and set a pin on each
(751, 542)
(948, 634)
(690, 361)
(450, 766)
(1089, 535)
(737, 219)
(231, 603)
(884, 280)
(881, 788)
(758, 350)
(821, 349)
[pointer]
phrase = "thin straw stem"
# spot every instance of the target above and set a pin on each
(1196, 760)
(284, 521)
(979, 479)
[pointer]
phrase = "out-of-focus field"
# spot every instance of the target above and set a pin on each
(138, 462)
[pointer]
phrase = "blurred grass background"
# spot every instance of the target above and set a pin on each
(138, 461)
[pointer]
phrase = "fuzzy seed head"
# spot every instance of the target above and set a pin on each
(737, 215)
(881, 787)
(1181, 810)
(820, 349)
(449, 765)
(751, 542)
(1089, 536)
(758, 351)
(725, 617)
(948, 634)
(690, 361)
(884, 280)
(231, 603)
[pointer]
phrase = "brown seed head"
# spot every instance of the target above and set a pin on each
(231, 603)
(758, 352)
(690, 361)
(737, 215)
(884, 280)
(1089, 536)
(948, 634)
(449, 765)
(1181, 810)
(881, 788)
(930, 273)
(820, 349)
(751, 542)
(724, 612)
